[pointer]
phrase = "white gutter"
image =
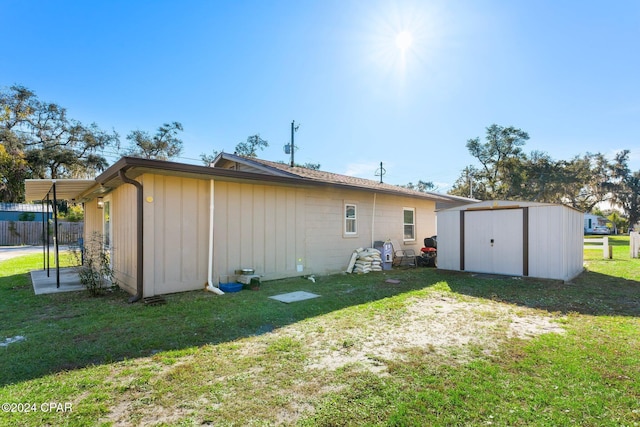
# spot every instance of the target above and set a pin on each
(210, 286)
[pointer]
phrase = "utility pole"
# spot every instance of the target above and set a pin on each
(290, 148)
(380, 172)
(294, 128)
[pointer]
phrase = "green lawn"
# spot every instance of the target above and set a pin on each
(437, 348)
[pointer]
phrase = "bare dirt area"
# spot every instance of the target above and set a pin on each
(454, 329)
(438, 324)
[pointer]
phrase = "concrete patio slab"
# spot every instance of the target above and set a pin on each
(69, 281)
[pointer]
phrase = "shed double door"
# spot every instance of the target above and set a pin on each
(493, 241)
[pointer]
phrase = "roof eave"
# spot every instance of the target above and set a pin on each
(136, 166)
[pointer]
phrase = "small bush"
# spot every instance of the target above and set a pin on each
(75, 213)
(95, 272)
(27, 216)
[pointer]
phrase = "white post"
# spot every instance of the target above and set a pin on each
(605, 247)
(634, 243)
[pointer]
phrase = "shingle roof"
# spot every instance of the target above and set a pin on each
(227, 166)
(334, 178)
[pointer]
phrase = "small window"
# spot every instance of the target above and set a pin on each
(409, 224)
(350, 219)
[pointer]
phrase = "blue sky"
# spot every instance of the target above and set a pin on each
(566, 72)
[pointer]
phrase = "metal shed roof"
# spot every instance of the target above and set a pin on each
(23, 207)
(503, 204)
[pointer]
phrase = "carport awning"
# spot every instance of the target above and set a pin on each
(66, 189)
(55, 189)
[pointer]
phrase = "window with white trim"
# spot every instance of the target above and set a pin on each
(350, 219)
(409, 223)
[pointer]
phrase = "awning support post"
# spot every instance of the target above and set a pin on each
(44, 239)
(48, 243)
(55, 234)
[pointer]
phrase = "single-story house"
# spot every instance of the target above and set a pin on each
(175, 227)
(25, 212)
(591, 221)
(512, 238)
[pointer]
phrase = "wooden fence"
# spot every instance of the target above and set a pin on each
(601, 243)
(14, 233)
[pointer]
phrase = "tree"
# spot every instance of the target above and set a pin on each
(13, 172)
(586, 181)
(312, 166)
(65, 148)
(617, 222)
(536, 177)
(249, 148)
(506, 172)
(16, 106)
(50, 144)
(465, 185)
(422, 186)
(626, 187)
(207, 159)
(75, 213)
(579, 182)
(498, 158)
(164, 145)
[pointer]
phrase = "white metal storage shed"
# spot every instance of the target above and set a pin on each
(512, 238)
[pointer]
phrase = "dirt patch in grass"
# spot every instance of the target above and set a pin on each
(437, 324)
(287, 369)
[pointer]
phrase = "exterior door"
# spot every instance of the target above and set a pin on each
(493, 241)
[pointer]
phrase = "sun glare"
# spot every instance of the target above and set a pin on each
(403, 40)
(400, 37)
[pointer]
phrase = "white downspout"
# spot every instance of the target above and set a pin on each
(210, 286)
(373, 219)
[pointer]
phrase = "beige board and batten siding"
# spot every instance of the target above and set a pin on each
(282, 231)
(124, 235)
(255, 226)
(176, 223)
(277, 230)
(259, 227)
(92, 220)
(122, 201)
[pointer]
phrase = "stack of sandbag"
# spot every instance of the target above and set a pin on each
(367, 260)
